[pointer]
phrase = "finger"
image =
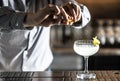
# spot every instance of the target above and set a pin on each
(74, 15)
(78, 17)
(66, 18)
(57, 10)
(64, 15)
(65, 22)
(56, 21)
(68, 8)
(77, 10)
(47, 21)
(74, 6)
(54, 9)
(78, 13)
(74, 10)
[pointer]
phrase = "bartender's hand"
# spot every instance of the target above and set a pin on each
(67, 14)
(43, 17)
(71, 13)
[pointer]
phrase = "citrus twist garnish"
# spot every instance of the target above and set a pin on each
(70, 20)
(95, 41)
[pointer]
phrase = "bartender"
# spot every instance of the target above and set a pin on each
(25, 30)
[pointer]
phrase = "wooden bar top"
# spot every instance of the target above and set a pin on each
(112, 75)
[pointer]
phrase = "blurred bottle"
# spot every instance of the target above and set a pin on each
(53, 34)
(56, 35)
(117, 32)
(110, 39)
(100, 31)
(66, 34)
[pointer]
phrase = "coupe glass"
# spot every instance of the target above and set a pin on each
(85, 48)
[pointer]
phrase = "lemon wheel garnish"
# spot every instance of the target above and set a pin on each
(95, 41)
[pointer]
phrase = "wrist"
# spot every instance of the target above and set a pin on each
(29, 20)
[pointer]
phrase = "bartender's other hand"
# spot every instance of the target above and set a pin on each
(71, 12)
(43, 17)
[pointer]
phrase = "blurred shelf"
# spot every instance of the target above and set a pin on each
(69, 50)
(109, 51)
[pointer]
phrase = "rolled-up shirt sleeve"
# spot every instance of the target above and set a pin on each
(9, 19)
(85, 17)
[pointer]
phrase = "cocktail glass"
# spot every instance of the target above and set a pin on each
(85, 48)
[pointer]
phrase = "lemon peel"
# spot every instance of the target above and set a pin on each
(95, 41)
(70, 21)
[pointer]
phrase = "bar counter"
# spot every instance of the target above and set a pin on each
(111, 75)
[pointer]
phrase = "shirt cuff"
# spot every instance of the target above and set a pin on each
(17, 20)
(85, 18)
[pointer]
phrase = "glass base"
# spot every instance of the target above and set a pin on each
(86, 75)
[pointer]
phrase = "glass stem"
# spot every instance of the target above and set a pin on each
(86, 64)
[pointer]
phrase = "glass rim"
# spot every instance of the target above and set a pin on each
(84, 42)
